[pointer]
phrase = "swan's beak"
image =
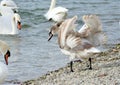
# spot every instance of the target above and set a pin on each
(6, 56)
(50, 36)
(19, 25)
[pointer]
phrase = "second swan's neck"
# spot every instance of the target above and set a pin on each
(14, 29)
(52, 5)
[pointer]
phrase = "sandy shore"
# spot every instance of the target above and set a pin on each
(106, 71)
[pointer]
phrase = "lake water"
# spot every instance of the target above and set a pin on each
(32, 55)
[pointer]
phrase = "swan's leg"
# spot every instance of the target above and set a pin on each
(71, 64)
(90, 63)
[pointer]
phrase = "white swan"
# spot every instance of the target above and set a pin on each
(5, 50)
(74, 44)
(56, 14)
(9, 23)
(8, 3)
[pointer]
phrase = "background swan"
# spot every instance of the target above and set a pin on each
(56, 14)
(9, 23)
(5, 50)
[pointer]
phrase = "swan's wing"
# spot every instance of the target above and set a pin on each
(65, 28)
(72, 41)
(77, 44)
(93, 22)
(99, 38)
(68, 35)
(91, 25)
(92, 30)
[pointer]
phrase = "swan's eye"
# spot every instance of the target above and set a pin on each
(4, 4)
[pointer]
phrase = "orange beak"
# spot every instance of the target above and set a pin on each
(6, 59)
(19, 25)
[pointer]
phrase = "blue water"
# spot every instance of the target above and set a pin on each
(32, 55)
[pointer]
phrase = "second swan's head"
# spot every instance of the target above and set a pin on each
(53, 30)
(17, 20)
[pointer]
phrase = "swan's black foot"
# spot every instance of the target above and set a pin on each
(90, 68)
(72, 70)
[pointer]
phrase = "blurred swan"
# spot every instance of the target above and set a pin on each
(5, 50)
(9, 23)
(10, 4)
(76, 44)
(56, 14)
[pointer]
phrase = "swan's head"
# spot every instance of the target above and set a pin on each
(9, 3)
(53, 30)
(17, 19)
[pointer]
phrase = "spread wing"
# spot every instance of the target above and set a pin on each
(65, 28)
(92, 30)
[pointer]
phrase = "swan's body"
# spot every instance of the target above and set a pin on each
(5, 50)
(76, 44)
(9, 22)
(56, 14)
(6, 11)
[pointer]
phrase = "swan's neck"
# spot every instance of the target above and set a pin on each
(53, 3)
(14, 27)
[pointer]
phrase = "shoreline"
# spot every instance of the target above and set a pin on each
(106, 71)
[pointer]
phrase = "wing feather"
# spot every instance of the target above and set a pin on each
(72, 41)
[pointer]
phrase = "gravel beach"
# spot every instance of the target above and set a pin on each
(106, 71)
